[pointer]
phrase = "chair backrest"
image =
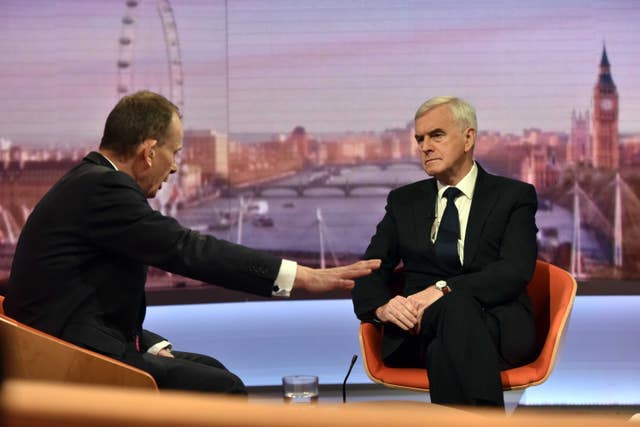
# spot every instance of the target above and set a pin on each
(33, 354)
(539, 290)
(552, 291)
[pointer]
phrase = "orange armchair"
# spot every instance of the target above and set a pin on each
(35, 355)
(552, 291)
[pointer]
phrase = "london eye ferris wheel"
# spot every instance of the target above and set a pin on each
(138, 57)
(146, 61)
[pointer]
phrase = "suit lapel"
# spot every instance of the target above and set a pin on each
(484, 198)
(424, 208)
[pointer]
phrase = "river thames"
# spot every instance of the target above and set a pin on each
(289, 223)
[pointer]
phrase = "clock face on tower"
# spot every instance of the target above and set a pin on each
(607, 104)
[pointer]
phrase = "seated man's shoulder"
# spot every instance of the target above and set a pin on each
(518, 192)
(411, 189)
(511, 183)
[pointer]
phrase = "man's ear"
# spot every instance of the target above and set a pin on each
(469, 139)
(148, 150)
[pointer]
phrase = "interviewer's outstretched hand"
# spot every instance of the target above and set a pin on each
(328, 279)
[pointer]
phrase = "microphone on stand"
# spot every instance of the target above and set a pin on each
(344, 383)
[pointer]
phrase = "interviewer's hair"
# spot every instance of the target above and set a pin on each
(463, 112)
(135, 118)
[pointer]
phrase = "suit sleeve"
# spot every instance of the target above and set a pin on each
(121, 221)
(503, 278)
(372, 291)
(148, 339)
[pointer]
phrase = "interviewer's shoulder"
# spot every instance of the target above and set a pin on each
(99, 176)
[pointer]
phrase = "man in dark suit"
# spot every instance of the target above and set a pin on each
(467, 240)
(80, 264)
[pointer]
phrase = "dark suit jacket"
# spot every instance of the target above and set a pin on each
(80, 265)
(500, 250)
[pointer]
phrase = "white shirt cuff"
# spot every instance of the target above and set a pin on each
(284, 281)
(154, 349)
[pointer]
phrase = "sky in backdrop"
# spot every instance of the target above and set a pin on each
(331, 66)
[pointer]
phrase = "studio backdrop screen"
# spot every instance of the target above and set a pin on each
(298, 115)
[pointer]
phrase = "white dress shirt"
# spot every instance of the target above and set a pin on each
(463, 203)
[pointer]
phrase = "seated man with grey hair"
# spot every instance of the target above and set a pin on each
(467, 241)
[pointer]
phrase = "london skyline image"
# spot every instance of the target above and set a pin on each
(300, 113)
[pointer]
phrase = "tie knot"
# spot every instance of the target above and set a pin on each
(451, 193)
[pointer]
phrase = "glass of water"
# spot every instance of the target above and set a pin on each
(300, 388)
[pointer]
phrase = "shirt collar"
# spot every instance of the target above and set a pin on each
(109, 160)
(467, 184)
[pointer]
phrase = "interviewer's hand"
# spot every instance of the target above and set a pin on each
(165, 353)
(322, 280)
(400, 311)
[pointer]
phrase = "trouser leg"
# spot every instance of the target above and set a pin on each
(460, 353)
(189, 371)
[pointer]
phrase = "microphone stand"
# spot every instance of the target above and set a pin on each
(344, 383)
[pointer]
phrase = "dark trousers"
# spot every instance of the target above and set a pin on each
(464, 348)
(187, 371)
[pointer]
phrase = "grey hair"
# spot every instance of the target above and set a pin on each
(463, 112)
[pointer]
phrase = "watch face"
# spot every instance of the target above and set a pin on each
(607, 104)
(441, 285)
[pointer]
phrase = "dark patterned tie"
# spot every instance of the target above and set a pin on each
(446, 245)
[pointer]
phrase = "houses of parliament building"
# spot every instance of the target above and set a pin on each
(599, 147)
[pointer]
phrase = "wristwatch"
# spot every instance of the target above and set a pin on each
(442, 286)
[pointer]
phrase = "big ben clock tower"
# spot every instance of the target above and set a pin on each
(606, 153)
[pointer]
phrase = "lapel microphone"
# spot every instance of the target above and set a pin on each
(344, 383)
